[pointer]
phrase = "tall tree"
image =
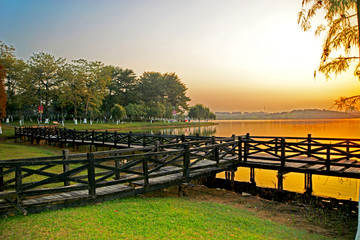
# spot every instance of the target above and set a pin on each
(155, 88)
(44, 69)
(95, 78)
(121, 89)
(2, 95)
(342, 34)
(15, 69)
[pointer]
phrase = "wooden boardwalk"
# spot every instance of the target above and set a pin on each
(35, 184)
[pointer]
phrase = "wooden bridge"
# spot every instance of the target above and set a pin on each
(157, 161)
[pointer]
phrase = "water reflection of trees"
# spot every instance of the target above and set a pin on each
(202, 131)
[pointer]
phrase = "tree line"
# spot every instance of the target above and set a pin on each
(82, 89)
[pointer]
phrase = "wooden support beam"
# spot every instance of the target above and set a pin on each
(308, 184)
(280, 177)
(252, 176)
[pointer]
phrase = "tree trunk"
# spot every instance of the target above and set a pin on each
(75, 110)
(87, 107)
(358, 19)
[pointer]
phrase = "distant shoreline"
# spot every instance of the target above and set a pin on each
(291, 115)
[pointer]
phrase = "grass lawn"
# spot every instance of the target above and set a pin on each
(148, 218)
(15, 151)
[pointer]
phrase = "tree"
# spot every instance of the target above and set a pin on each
(15, 69)
(199, 111)
(135, 111)
(2, 95)
(342, 36)
(166, 89)
(121, 88)
(118, 112)
(43, 74)
(95, 79)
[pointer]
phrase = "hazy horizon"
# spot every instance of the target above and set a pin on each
(232, 55)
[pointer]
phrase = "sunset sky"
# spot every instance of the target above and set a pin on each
(233, 55)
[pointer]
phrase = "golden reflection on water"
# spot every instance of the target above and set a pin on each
(341, 188)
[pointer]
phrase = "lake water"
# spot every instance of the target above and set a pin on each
(341, 188)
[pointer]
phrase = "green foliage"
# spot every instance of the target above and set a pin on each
(166, 89)
(341, 30)
(87, 89)
(199, 111)
(43, 76)
(135, 111)
(3, 98)
(118, 112)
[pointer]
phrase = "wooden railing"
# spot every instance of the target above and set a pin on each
(184, 155)
(115, 138)
(329, 152)
(22, 178)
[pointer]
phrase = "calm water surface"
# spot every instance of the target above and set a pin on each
(342, 188)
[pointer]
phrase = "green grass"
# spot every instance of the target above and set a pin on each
(148, 218)
(15, 151)
(8, 131)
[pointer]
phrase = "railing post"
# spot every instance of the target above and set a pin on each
(327, 163)
(93, 137)
(146, 173)
(91, 174)
(347, 149)
(157, 149)
(115, 138)
(16, 133)
(309, 145)
(18, 182)
(74, 135)
(246, 147)
(117, 166)
(213, 141)
(233, 139)
(283, 152)
(49, 135)
(186, 170)
(129, 139)
(183, 138)
(240, 148)
(57, 130)
(144, 140)
(216, 156)
(66, 166)
(86, 135)
(82, 136)
(276, 145)
(103, 136)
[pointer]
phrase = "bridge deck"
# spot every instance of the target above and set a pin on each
(55, 182)
(81, 197)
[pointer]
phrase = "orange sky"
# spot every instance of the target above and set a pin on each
(233, 55)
